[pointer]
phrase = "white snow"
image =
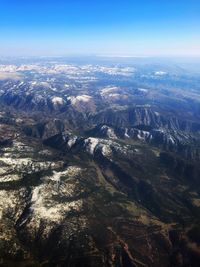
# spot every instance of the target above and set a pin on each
(10, 177)
(171, 140)
(106, 151)
(57, 100)
(44, 206)
(126, 133)
(160, 73)
(91, 144)
(80, 98)
(72, 141)
(109, 132)
(143, 90)
(108, 90)
(71, 171)
(142, 135)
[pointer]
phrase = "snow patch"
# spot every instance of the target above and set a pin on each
(160, 73)
(91, 144)
(80, 98)
(57, 100)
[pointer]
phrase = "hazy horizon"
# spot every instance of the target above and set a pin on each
(132, 28)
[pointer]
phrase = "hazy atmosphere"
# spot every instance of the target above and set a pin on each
(125, 28)
(99, 133)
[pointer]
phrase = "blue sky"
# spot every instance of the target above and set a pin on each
(101, 27)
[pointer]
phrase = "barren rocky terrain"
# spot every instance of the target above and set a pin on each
(99, 163)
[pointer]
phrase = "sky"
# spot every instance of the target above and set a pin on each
(100, 27)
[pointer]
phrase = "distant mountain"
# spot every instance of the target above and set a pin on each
(99, 163)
